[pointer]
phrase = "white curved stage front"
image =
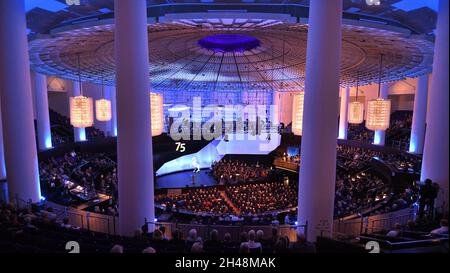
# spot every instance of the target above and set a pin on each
(238, 144)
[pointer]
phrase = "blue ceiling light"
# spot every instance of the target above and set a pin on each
(229, 42)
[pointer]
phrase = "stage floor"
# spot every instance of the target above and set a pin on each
(182, 179)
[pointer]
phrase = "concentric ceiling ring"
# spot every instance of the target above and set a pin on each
(179, 64)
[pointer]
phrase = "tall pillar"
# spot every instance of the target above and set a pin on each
(79, 134)
(419, 116)
(276, 102)
(17, 105)
(435, 154)
(134, 140)
(112, 93)
(318, 149)
(380, 136)
(42, 112)
(343, 120)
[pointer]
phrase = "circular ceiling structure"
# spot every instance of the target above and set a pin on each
(238, 53)
(229, 42)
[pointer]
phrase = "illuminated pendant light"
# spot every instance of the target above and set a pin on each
(81, 107)
(103, 107)
(356, 108)
(297, 113)
(157, 117)
(379, 110)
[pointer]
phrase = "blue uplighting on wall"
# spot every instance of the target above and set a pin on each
(48, 142)
(413, 144)
(377, 137)
(341, 133)
(81, 134)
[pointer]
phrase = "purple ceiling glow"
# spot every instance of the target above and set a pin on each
(229, 42)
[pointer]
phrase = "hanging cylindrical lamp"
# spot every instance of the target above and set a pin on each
(103, 110)
(157, 114)
(297, 113)
(379, 110)
(81, 107)
(356, 108)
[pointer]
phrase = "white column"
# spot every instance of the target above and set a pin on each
(79, 134)
(17, 107)
(318, 149)
(380, 136)
(343, 120)
(419, 116)
(134, 140)
(435, 154)
(112, 93)
(43, 117)
(277, 106)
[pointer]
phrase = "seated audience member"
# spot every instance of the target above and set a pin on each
(28, 226)
(254, 247)
(163, 232)
(149, 250)
(228, 245)
(65, 223)
(244, 237)
(197, 248)
(192, 238)
(281, 246)
(138, 233)
(116, 249)
(213, 244)
(302, 246)
(273, 240)
(443, 230)
(395, 232)
(157, 235)
(260, 237)
(244, 248)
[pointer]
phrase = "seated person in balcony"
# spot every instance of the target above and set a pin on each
(253, 246)
(395, 232)
(443, 230)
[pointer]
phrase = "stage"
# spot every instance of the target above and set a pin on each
(184, 178)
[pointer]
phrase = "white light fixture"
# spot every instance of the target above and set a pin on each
(103, 110)
(297, 113)
(378, 114)
(81, 107)
(157, 113)
(355, 112)
(379, 110)
(356, 108)
(81, 112)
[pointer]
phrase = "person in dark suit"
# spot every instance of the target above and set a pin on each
(427, 195)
